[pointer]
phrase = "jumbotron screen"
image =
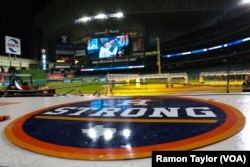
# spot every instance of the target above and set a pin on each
(108, 47)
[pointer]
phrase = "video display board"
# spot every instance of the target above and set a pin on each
(108, 47)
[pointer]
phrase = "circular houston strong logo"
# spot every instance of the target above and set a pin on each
(124, 127)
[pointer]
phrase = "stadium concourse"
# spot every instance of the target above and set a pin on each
(43, 131)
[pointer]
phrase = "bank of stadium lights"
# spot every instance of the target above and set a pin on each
(99, 17)
(245, 1)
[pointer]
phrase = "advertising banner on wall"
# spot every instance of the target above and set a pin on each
(64, 49)
(80, 50)
(12, 45)
(138, 44)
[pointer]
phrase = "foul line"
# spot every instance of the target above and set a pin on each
(128, 120)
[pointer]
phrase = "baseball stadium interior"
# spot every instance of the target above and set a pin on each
(58, 52)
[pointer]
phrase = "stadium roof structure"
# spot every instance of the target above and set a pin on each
(166, 19)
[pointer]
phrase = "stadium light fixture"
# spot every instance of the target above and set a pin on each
(99, 16)
(245, 1)
(117, 15)
(85, 19)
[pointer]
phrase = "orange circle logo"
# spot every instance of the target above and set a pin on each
(124, 127)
